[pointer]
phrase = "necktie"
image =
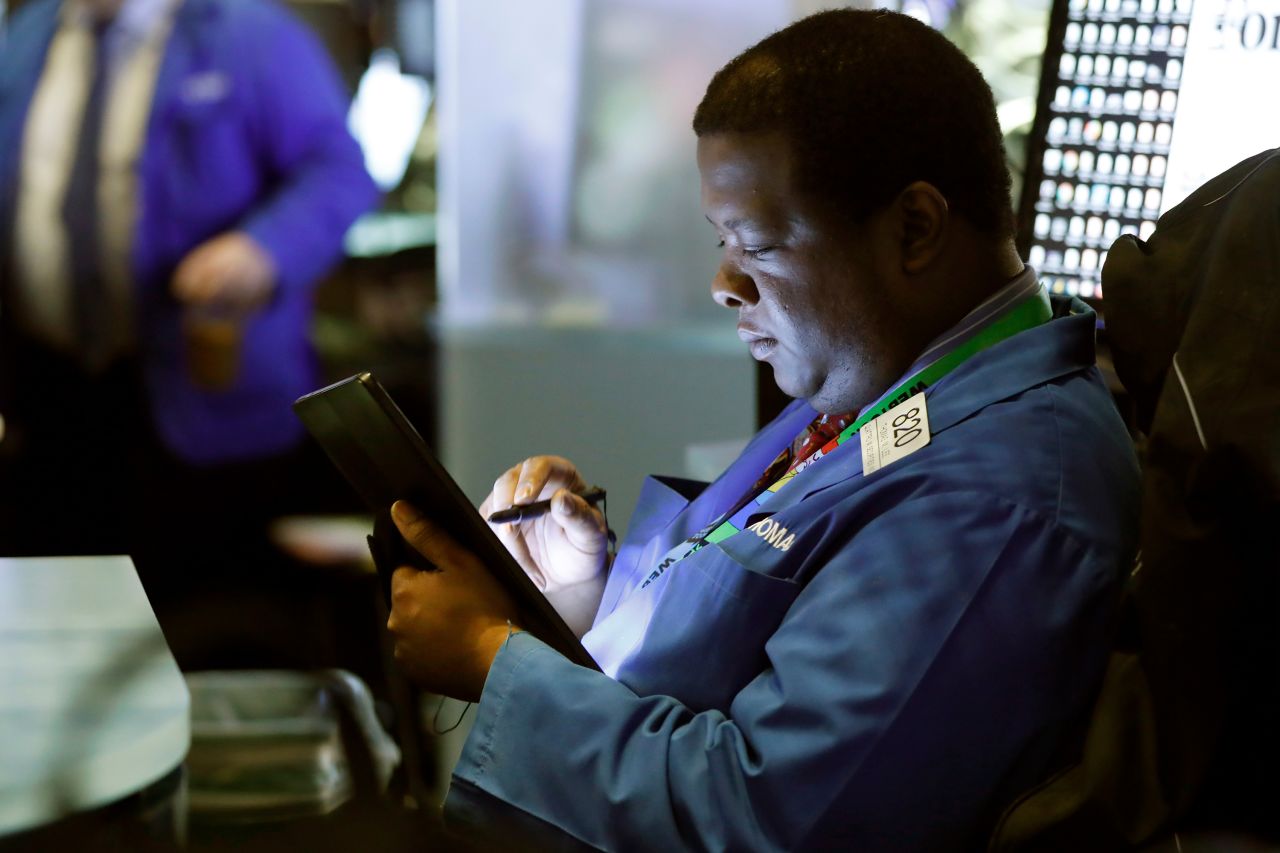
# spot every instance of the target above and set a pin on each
(80, 216)
(814, 437)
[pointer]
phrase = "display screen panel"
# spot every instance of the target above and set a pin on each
(1140, 102)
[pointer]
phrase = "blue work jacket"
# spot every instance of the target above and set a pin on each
(920, 652)
(247, 131)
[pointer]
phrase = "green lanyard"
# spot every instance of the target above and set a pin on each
(1025, 314)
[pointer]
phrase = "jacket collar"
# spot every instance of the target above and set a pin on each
(754, 459)
(1060, 347)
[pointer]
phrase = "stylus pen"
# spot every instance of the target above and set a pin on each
(525, 512)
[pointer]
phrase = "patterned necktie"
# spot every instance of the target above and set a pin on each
(80, 216)
(812, 439)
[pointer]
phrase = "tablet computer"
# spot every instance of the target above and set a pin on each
(384, 458)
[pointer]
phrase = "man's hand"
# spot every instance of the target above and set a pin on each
(564, 552)
(230, 272)
(448, 624)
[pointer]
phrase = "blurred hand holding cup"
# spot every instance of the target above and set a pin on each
(220, 283)
(213, 340)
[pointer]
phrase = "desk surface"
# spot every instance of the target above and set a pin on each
(92, 705)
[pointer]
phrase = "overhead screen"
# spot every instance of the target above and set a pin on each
(1140, 102)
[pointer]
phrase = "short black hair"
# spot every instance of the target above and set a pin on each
(871, 100)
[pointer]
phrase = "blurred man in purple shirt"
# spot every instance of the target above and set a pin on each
(175, 176)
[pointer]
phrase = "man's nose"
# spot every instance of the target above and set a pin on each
(733, 288)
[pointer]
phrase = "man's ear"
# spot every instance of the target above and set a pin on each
(925, 219)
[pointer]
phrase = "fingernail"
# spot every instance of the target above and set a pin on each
(566, 506)
(404, 512)
(524, 493)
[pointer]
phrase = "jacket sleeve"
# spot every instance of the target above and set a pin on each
(926, 671)
(319, 184)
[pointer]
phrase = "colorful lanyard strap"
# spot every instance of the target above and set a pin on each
(1023, 315)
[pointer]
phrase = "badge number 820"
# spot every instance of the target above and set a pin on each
(895, 435)
(906, 428)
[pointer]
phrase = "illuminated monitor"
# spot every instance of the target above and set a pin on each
(1140, 102)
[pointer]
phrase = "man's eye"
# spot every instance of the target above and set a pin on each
(753, 251)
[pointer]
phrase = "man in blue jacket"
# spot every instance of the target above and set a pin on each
(888, 617)
(175, 176)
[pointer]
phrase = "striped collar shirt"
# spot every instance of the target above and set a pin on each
(1025, 285)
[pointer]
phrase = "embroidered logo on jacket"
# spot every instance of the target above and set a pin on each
(773, 533)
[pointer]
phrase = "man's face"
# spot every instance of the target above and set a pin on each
(809, 286)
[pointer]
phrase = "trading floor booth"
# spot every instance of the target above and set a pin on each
(1140, 102)
(1149, 193)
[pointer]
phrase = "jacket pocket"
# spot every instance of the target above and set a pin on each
(705, 627)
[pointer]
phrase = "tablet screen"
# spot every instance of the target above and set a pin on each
(384, 458)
